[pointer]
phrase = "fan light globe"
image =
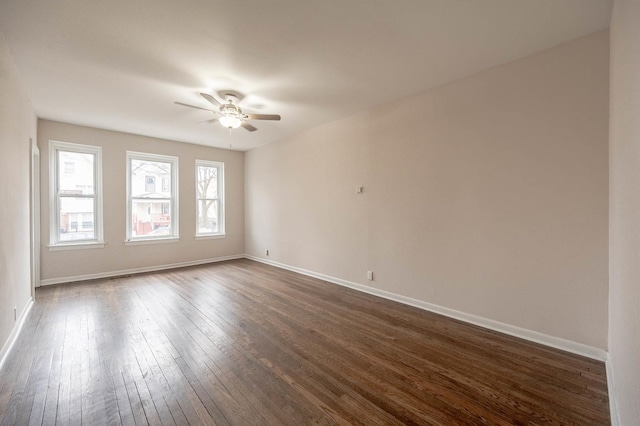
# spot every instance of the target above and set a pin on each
(230, 122)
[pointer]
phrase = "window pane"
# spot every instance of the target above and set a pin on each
(147, 178)
(150, 218)
(76, 177)
(207, 182)
(76, 219)
(208, 216)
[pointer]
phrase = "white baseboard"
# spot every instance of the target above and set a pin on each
(512, 330)
(613, 406)
(15, 333)
(110, 274)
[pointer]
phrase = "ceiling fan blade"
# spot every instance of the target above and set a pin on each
(248, 126)
(197, 107)
(263, 117)
(213, 120)
(211, 99)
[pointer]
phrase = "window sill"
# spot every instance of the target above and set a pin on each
(151, 241)
(210, 237)
(77, 246)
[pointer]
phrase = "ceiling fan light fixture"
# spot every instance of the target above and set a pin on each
(229, 114)
(230, 122)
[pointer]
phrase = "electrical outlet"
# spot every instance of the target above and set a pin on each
(266, 252)
(370, 275)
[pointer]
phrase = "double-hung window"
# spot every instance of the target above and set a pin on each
(209, 198)
(152, 197)
(75, 196)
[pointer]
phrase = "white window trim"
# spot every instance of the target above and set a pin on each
(54, 210)
(132, 155)
(221, 201)
(77, 246)
(210, 236)
(157, 240)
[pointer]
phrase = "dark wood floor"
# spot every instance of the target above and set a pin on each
(244, 343)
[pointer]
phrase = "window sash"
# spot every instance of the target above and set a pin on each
(151, 198)
(58, 168)
(218, 202)
(150, 219)
(76, 196)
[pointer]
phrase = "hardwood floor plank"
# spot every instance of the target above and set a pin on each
(53, 387)
(125, 411)
(141, 415)
(241, 342)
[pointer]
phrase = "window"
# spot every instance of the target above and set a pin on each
(76, 194)
(209, 198)
(152, 211)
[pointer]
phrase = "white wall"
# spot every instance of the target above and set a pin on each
(488, 195)
(624, 278)
(17, 125)
(116, 256)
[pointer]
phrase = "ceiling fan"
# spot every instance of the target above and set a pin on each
(229, 114)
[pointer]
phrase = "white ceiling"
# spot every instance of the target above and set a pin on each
(121, 64)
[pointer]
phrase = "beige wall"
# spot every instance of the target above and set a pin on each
(624, 290)
(487, 195)
(116, 256)
(17, 125)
